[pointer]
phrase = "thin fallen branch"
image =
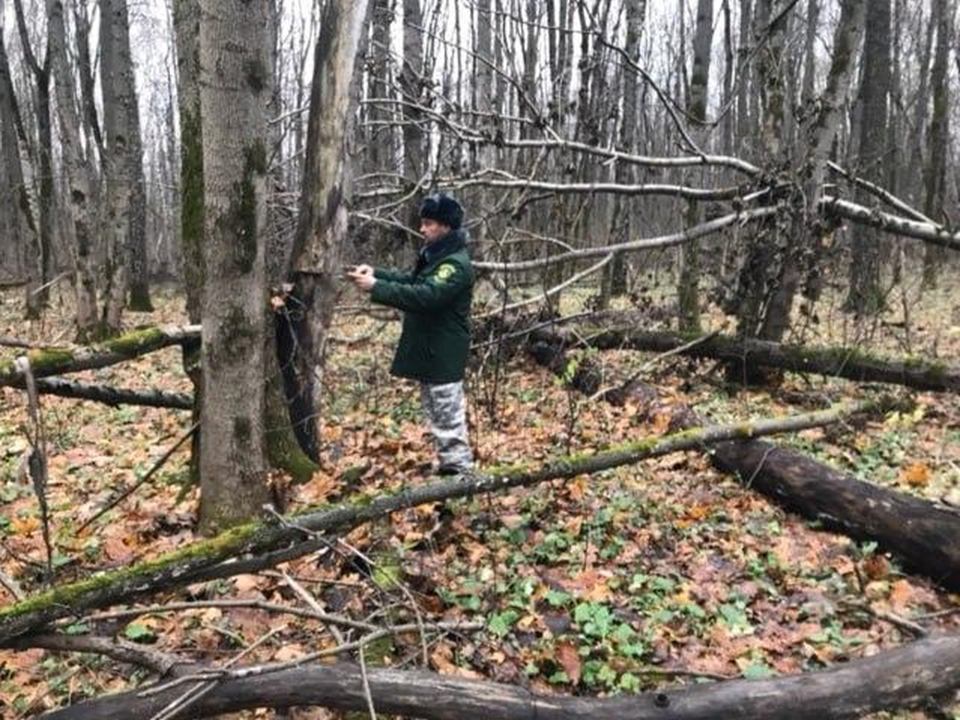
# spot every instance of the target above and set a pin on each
(59, 360)
(37, 459)
(120, 650)
(61, 387)
(679, 238)
(932, 234)
(900, 678)
(256, 546)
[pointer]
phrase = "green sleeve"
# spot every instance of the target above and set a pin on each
(395, 276)
(437, 290)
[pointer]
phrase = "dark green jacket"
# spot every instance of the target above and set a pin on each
(435, 299)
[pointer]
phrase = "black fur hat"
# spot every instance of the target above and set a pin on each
(442, 208)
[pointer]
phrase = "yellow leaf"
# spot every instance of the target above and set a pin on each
(25, 526)
(916, 475)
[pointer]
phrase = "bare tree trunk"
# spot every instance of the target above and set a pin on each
(688, 290)
(21, 242)
(43, 165)
(322, 228)
(186, 25)
(935, 174)
(77, 172)
(866, 293)
(415, 158)
(234, 91)
(771, 272)
(623, 226)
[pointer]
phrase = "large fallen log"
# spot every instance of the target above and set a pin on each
(923, 534)
(45, 362)
(901, 678)
(850, 363)
(258, 545)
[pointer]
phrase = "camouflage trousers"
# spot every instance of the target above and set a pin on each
(445, 409)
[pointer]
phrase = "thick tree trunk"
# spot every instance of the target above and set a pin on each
(186, 25)
(321, 232)
(415, 157)
(850, 363)
(234, 93)
(866, 293)
(901, 678)
(77, 170)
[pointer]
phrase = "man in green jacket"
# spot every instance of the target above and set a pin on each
(435, 299)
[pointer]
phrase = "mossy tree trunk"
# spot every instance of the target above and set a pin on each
(234, 92)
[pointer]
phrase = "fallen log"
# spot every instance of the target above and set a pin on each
(923, 534)
(61, 387)
(850, 363)
(901, 678)
(45, 362)
(258, 545)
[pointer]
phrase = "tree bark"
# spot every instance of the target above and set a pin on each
(78, 175)
(935, 173)
(125, 183)
(234, 91)
(866, 294)
(900, 678)
(43, 160)
(316, 266)
(688, 290)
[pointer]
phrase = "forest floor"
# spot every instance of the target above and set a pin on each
(659, 573)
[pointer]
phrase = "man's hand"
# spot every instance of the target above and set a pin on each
(362, 277)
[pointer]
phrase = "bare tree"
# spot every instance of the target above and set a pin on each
(866, 293)
(934, 177)
(126, 194)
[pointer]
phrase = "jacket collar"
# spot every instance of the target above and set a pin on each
(449, 243)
